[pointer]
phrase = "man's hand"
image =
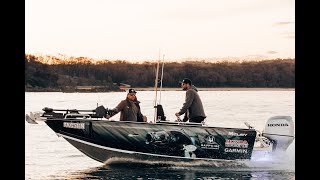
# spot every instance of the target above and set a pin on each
(145, 119)
(178, 118)
(107, 116)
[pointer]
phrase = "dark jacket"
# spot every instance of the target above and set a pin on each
(193, 105)
(130, 111)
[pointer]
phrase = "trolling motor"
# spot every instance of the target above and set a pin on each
(99, 112)
(50, 113)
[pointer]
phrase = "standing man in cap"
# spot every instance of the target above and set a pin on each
(192, 107)
(129, 108)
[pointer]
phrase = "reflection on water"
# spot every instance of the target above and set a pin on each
(147, 171)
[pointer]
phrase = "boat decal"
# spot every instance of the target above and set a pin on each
(236, 134)
(279, 124)
(210, 139)
(149, 154)
(210, 143)
(236, 143)
(209, 146)
(236, 150)
(73, 125)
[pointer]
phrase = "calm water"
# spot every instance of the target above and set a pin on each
(48, 156)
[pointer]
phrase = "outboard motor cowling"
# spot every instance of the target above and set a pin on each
(280, 131)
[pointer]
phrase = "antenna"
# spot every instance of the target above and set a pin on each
(156, 89)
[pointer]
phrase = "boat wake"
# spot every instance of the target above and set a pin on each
(271, 165)
(272, 162)
(120, 169)
(123, 162)
(267, 161)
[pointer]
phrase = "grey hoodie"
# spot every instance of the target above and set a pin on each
(192, 105)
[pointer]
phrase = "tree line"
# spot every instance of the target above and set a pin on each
(80, 71)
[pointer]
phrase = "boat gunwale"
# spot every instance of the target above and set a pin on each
(166, 123)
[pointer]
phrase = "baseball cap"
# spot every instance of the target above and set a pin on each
(186, 81)
(132, 91)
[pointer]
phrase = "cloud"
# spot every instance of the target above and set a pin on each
(272, 52)
(286, 24)
(283, 23)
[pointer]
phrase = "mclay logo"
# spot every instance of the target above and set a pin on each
(236, 134)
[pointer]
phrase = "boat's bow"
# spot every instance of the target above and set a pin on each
(33, 117)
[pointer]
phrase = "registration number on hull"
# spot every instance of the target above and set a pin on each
(73, 125)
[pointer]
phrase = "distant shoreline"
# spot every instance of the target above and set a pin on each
(217, 89)
(167, 89)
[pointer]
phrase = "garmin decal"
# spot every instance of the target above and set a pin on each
(236, 150)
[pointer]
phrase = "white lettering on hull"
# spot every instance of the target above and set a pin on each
(280, 124)
(236, 134)
(236, 143)
(73, 125)
(235, 150)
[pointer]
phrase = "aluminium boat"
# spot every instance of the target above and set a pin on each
(162, 140)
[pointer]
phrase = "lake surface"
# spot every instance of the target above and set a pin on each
(48, 156)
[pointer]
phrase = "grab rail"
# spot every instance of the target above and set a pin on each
(72, 115)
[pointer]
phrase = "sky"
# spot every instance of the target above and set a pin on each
(140, 30)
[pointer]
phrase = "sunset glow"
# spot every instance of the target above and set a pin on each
(138, 30)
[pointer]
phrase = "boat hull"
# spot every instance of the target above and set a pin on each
(105, 140)
(115, 156)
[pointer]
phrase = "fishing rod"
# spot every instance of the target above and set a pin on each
(161, 78)
(159, 113)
